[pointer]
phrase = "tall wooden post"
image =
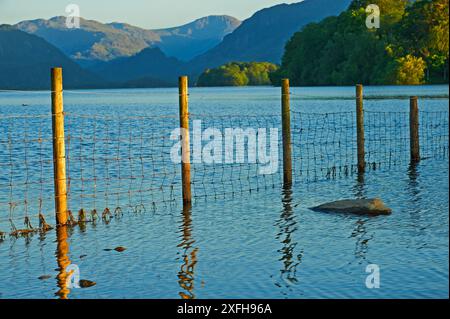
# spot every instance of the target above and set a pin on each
(59, 152)
(286, 128)
(360, 128)
(185, 147)
(414, 129)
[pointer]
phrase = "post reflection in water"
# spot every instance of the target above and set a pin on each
(362, 239)
(186, 275)
(63, 261)
(360, 231)
(287, 226)
(413, 175)
(415, 210)
(359, 188)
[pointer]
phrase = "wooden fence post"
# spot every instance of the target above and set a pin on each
(360, 128)
(286, 128)
(59, 152)
(414, 129)
(185, 147)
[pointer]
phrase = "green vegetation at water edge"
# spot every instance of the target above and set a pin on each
(410, 47)
(238, 74)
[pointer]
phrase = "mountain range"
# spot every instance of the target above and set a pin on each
(95, 41)
(119, 54)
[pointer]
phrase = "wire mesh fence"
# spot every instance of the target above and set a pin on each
(323, 145)
(433, 134)
(118, 164)
(26, 182)
(231, 154)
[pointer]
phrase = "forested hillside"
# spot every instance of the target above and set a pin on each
(410, 47)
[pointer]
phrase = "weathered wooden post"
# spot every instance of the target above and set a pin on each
(185, 147)
(59, 153)
(414, 129)
(360, 128)
(286, 128)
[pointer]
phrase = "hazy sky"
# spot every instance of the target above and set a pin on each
(144, 13)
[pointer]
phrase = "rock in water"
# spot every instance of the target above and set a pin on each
(84, 283)
(372, 206)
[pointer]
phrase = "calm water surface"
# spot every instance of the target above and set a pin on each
(264, 244)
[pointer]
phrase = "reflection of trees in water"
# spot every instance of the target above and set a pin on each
(63, 261)
(186, 273)
(287, 225)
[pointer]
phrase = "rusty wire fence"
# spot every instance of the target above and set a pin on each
(119, 164)
(325, 144)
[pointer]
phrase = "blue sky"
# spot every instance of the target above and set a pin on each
(144, 13)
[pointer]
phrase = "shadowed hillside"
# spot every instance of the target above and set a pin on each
(150, 63)
(25, 62)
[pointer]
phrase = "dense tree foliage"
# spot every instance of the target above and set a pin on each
(238, 74)
(410, 47)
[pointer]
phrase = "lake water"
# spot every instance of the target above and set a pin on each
(244, 236)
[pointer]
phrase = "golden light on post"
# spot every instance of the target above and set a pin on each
(59, 156)
(185, 147)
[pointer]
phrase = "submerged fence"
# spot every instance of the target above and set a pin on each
(85, 167)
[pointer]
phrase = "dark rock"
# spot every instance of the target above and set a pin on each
(86, 283)
(373, 207)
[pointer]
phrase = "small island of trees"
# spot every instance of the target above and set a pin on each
(238, 74)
